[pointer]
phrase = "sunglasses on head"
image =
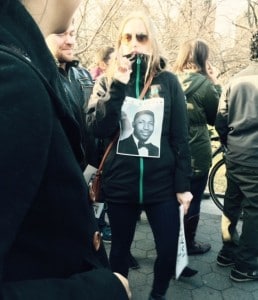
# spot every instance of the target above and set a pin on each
(140, 37)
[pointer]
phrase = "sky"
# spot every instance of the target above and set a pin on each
(227, 10)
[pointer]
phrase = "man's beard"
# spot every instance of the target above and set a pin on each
(63, 59)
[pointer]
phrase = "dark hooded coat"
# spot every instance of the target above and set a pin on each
(46, 222)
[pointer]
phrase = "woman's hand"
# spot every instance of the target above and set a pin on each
(125, 283)
(123, 70)
(212, 72)
(185, 199)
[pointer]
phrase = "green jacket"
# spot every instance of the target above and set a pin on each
(202, 102)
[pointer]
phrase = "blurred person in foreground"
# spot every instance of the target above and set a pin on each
(130, 183)
(200, 85)
(49, 241)
(102, 59)
(237, 126)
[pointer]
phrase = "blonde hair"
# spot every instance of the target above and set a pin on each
(154, 63)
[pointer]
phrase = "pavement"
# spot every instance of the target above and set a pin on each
(210, 283)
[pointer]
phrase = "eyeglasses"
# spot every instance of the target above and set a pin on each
(140, 37)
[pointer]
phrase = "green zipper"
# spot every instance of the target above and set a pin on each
(141, 162)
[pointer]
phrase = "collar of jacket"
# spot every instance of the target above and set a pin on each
(143, 67)
(18, 30)
(144, 58)
(68, 65)
(191, 82)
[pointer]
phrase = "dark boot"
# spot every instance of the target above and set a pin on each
(133, 263)
(193, 247)
(188, 272)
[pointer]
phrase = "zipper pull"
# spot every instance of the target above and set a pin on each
(137, 82)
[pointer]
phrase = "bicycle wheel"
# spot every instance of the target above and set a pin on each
(217, 183)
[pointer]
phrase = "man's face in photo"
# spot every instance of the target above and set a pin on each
(143, 125)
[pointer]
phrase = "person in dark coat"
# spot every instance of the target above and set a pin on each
(237, 126)
(202, 91)
(130, 183)
(48, 248)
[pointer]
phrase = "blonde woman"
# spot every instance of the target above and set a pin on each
(135, 181)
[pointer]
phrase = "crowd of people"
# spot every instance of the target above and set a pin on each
(57, 117)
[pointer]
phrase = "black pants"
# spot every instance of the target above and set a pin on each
(241, 194)
(164, 221)
(198, 185)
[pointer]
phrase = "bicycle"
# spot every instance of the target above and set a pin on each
(217, 182)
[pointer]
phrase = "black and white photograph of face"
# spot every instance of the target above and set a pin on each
(140, 128)
(143, 125)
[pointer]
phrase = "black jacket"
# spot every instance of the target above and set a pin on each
(237, 118)
(81, 80)
(128, 146)
(46, 223)
(158, 178)
(78, 84)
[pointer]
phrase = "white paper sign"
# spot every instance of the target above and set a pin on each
(182, 256)
(141, 127)
(97, 208)
(88, 172)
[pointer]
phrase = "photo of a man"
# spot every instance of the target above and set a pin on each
(137, 143)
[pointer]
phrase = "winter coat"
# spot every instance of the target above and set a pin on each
(78, 84)
(237, 119)
(202, 102)
(130, 179)
(82, 82)
(46, 222)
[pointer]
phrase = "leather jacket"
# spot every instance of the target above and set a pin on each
(81, 80)
(78, 84)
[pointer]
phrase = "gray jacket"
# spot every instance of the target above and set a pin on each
(237, 118)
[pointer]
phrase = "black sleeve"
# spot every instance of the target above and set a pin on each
(26, 117)
(179, 138)
(93, 285)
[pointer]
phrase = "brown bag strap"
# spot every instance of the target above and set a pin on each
(109, 147)
(146, 86)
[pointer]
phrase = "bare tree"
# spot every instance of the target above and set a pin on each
(175, 21)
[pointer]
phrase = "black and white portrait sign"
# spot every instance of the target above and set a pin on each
(140, 127)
